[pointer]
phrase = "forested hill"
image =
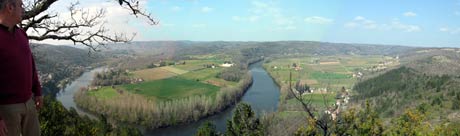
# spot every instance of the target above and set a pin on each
(46, 54)
(58, 65)
(404, 88)
(267, 48)
(434, 61)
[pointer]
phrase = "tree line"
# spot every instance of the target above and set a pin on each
(112, 77)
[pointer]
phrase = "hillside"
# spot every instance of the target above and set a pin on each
(434, 61)
(57, 65)
(267, 48)
(405, 88)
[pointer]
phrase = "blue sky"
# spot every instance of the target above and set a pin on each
(402, 22)
(428, 23)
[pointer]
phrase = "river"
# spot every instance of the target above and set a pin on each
(66, 96)
(263, 96)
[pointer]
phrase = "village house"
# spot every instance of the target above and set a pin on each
(227, 64)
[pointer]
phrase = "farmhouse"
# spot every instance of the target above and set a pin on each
(227, 64)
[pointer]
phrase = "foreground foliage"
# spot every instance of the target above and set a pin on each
(55, 120)
(244, 122)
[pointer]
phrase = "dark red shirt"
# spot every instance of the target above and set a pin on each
(18, 76)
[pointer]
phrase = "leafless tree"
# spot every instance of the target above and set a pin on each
(83, 27)
(320, 120)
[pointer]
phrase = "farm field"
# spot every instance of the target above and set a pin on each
(152, 91)
(106, 92)
(174, 70)
(331, 72)
(193, 65)
(172, 82)
(171, 88)
(317, 100)
(154, 74)
(207, 76)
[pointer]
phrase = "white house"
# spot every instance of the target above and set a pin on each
(227, 65)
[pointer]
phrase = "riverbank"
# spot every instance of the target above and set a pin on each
(66, 96)
(136, 109)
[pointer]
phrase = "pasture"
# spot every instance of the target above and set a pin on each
(171, 88)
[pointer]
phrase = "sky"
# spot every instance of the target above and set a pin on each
(427, 23)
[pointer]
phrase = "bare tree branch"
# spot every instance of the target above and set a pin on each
(133, 5)
(39, 7)
(321, 122)
(83, 27)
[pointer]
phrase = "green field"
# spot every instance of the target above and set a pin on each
(333, 72)
(207, 76)
(317, 100)
(201, 75)
(172, 82)
(192, 65)
(171, 88)
(106, 92)
(328, 75)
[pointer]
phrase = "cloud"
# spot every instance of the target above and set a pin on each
(359, 18)
(363, 23)
(407, 28)
(176, 8)
(450, 30)
(444, 29)
(410, 14)
(206, 9)
(271, 11)
(318, 20)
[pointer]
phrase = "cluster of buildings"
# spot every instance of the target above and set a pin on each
(383, 65)
(342, 99)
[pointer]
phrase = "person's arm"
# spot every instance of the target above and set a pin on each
(3, 129)
(36, 87)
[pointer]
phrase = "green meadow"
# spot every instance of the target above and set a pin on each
(171, 88)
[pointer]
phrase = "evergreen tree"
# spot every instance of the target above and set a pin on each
(244, 122)
(207, 129)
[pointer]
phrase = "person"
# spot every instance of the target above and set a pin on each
(20, 91)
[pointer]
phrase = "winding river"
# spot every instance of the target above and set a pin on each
(66, 96)
(263, 96)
